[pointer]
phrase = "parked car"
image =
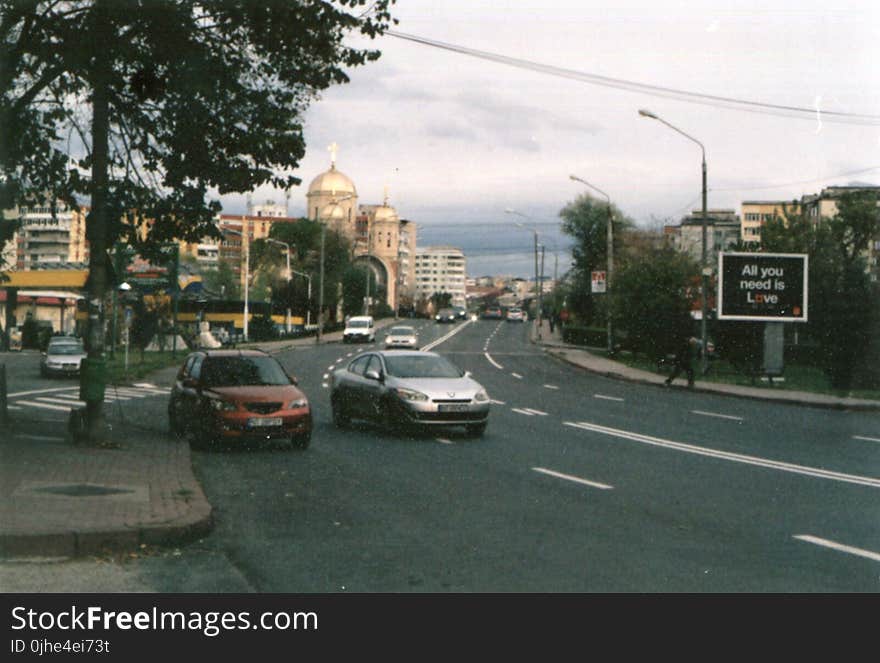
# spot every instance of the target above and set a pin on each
(515, 315)
(403, 389)
(493, 313)
(445, 315)
(402, 337)
(238, 395)
(63, 356)
(359, 329)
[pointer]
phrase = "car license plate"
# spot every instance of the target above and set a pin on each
(264, 422)
(70, 367)
(452, 407)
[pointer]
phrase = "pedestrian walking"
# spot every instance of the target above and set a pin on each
(686, 356)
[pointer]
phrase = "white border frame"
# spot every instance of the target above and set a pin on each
(762, 318)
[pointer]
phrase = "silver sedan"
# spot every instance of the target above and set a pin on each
(403, 389)
(402, 337)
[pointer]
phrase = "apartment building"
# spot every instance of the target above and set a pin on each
(441, 269)
(50, 237)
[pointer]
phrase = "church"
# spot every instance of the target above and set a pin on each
(381, 240)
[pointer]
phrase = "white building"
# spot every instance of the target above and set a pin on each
(441, 269)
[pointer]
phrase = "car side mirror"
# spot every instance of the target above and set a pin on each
(373, 375)
(468, 374)
(294, 381)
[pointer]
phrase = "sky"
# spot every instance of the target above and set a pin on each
(458, 139)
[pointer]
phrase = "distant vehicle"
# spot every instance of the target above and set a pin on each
(402, 389)
(493, 313)
(63, 356)
(460, 312)
(402, 337)
(359, 328)
(515, 315)
(238, 395)
(445, 315)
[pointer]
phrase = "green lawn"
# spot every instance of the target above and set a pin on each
(137, 369)
(797, 377)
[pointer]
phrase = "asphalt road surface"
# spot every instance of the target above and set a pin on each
(580, 483)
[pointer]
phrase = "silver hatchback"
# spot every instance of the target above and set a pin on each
(408, 389)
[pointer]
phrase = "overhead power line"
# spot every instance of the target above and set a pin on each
(653, 90)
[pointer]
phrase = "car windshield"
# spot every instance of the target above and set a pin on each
(242, 371)
(66, 348)
(421, 366)
(358, 323)
(402, 331)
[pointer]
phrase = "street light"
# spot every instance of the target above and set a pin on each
(309, 308)
(334, 202)
(609, 250)
(704, 267)
(247, 261)
(537, 278)
(287, 245)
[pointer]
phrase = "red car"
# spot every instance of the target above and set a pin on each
(238, 395)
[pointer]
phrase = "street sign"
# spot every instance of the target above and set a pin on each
(769, 287)
(598, 281)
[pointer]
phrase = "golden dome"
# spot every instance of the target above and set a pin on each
(333, 213)
(386, 214)
(332, 181)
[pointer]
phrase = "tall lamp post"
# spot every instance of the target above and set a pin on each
(289, 276)
(333, 203)
(609, 250)
(704, 267)
(247, 262)
(537, 278)
(309, 295)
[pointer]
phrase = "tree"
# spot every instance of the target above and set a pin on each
(652, 302)
(143, 108)
(441, 300)
(586, 221)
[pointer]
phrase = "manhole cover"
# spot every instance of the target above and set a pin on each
(82, 490)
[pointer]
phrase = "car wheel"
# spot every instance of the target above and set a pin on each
(476, 430)
(340, 416)
(301, 440)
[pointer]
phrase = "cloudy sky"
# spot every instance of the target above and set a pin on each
(458, 139)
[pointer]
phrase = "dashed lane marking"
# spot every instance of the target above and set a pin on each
(522, 411)
(569, 477)
(608, 398)
(550, 386)
(517, 376)
(45, 406)
(716, 415)
(443, 440)
(493, 362)
(491, 400)
(838, 546)
(534, 411)
(866, 439)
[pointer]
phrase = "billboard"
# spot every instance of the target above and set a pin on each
(770, 287)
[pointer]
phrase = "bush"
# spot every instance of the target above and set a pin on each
(590, 336)
(262, 328)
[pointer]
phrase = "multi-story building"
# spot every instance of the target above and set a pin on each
(755, 213)
(722, 232)
(50, 237)
(441, 269)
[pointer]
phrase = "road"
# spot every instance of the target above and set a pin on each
(581, 483)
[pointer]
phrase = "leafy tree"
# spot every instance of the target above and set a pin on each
(586, 221)
(222, 282)
(652, 305)
(441, 300)
(143, 107)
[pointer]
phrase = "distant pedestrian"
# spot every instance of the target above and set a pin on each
(685, 357)
(552, 319)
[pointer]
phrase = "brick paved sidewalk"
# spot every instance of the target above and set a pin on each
(58, 499)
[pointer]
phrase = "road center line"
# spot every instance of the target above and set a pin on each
(492, 400)
(446, 337)
(866, 439)
(493, 362)
(534, 411)
(443, 440)
(525, 412)
(517, 376)
(550, 386)
(568, 477)
(723, 455)
(838, 546)
(715, 414)
(608, 398)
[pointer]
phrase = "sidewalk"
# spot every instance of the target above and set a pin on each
(579, 356)
(59, 499)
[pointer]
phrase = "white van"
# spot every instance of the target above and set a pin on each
(359, 328)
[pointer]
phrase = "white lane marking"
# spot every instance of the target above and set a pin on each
(724, 455)
(568, 477)
(534, 411)
(517, 376)
(496, 402)
(715, 414)
(550, 386)
(148, 385)
(838, 546)
(608, 398)
(443, 440)
(447, 336)
(349, 354)
(39, 391)
(46, 406)
(48, 399)
(46, 438)
(331, 367)
(493, 362)
(72, 396)
(866, 439)
(525, 412)
(13, 407)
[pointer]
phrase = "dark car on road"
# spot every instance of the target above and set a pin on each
(236, 396)
(445, 315)
(493, 313)
(408, 389)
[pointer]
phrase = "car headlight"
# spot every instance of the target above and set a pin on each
(481, 396)
(297, 404)
(437, 317)
(222, 406)
(411, 395)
